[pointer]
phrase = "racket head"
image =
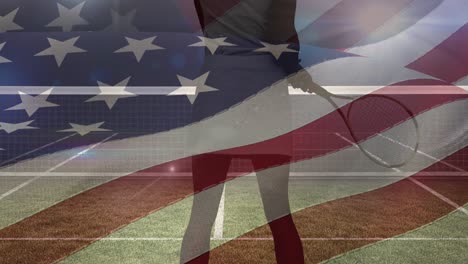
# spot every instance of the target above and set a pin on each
(384, 129)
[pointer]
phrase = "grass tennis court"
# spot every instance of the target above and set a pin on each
(157, 237)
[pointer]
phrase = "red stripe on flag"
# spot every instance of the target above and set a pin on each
(449, 60)
(100, 211)
(382, 213)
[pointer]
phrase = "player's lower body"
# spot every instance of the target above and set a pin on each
(273, 187)
(250, 121)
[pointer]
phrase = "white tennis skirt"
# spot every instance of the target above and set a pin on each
(248, 114)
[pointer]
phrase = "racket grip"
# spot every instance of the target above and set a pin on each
(302, 80)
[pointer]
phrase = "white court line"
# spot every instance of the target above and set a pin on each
(440, 196)
(93, 90)
(395, 89)
(420, 184)
(144, 188)
(80, 153)
(311, 174)
(356, 146)
(37, 149)
(422, 153)
(427, 188)
(54, 168)
(191, 90)
(219, 221)
(17, 188)
(238, 239)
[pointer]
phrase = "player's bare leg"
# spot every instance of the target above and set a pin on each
(208, 171)
(273, 184)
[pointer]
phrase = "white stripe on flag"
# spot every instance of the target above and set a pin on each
(148, 146)
(422, 37)
(308, 11)
(463, 83)
(190, 90)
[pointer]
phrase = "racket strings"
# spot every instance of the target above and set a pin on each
(371, 115)
(383, 129)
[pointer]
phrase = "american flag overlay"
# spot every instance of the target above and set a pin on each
(233, 131)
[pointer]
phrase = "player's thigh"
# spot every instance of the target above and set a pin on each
(273, 185)
(209, 170)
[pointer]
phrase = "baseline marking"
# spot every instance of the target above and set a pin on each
(17, 188)
(191, 90)
(308, 174)
(219, 221)
(37, 149)
(420, 184)
(422, 153)
(238, 238)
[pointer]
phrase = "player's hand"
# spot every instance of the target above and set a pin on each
(302, 80)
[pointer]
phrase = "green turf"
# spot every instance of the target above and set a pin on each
(39, 194)
(8, 183)
(454, 225)
(244, 209)
(243, 212)
(166, 223)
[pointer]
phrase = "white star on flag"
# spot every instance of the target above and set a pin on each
(211, 43)
(2, 59)
(277, 50)
(139, 47)
(11, 127)
(198, 83)
(83, 130)
(68, 17)
(6, 22)
(111, 94)
(60, 49)
(122, 23)
(33, 103)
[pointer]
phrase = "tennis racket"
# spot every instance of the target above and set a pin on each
(381, 126)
